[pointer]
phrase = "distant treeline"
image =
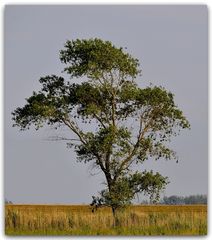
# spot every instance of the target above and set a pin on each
(179, 200)
(172, 200)
(7, 201)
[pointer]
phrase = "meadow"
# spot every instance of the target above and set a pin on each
(80, 220)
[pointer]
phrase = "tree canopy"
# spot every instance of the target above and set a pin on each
(129, 124)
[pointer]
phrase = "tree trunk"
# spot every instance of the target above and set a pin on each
(115, 217)
(114, 209)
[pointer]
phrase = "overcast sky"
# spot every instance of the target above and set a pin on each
(171, 44)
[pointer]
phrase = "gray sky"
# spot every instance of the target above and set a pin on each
(171, 44)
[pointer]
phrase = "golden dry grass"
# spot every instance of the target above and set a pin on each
(79, 220)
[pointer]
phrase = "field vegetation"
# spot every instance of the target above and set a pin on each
(80, 220)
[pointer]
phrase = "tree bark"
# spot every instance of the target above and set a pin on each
(115, 217)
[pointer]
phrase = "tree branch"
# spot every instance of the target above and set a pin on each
(57, 138)
(136, 146)
(69, 124)
(100, 120)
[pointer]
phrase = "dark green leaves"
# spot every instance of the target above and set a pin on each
(93, 57)
(105, 141)
(53, 85)
(148, 183)
(49, 105)
(160, 109)
(124, 189)
(36, 109)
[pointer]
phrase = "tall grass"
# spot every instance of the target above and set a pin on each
(79, 220)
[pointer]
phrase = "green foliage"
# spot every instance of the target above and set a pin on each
(122, 192)
(111, 100)
(93, 57)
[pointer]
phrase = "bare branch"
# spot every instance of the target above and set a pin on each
(57, 138)
(74, 128)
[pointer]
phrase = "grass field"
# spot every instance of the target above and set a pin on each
(79, 220)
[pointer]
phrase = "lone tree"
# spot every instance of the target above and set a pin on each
(128, 124)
